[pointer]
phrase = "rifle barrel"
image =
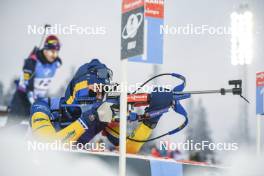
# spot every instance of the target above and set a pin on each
(205, 92)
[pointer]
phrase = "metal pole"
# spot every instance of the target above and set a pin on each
(258, 135)
(123, 120)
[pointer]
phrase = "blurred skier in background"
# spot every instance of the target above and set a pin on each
(38, 70)
(84, 113)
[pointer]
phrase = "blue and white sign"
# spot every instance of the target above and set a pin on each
(260, 93)
(141, 38)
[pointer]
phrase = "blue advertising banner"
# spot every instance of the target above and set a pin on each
(260, 93)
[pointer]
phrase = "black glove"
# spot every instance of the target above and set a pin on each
(160, 98)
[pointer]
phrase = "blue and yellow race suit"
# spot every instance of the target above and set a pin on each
(44, 115)
(45, 126)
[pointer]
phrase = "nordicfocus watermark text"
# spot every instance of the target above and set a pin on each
(59, 29)
(58, 145)
(131, 88)
(190, 29)
(190, 145)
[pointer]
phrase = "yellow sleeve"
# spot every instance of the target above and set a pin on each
(43, 129)
(142, 132)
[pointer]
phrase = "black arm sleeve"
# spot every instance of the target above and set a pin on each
(28, 73)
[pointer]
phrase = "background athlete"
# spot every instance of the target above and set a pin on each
(38, 70)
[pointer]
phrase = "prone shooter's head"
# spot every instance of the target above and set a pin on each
(87, 84)
(83, 92)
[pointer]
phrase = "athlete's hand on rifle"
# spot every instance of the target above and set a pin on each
(105, 112)
(102, 113)
(160, 100)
